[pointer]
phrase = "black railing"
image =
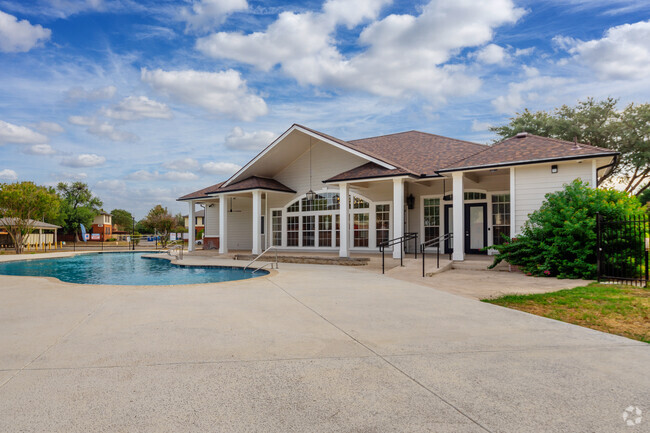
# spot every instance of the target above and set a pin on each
(447, 237)
(401, 241)
(622, 250)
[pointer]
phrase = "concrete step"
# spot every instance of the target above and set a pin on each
(480, 265)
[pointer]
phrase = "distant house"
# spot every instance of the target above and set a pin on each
(310, 191)
(199, 221)
(102, 229)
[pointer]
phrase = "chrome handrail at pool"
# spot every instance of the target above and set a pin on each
(265, 264)
(260, 255)
(174, 248)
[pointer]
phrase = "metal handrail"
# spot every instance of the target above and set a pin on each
(261, 254)
(398, 241)
(176, 247)
(436, 242)
(265, 264)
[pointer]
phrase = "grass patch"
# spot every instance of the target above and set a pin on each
(616, 309)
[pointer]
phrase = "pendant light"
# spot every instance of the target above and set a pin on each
(311, 195)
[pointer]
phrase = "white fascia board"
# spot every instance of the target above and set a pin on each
(321, 138)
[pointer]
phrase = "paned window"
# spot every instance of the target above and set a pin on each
(431, 208)
(382, 222)
(500, 217)
(276, 228)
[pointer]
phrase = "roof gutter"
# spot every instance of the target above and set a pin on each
(527, 162)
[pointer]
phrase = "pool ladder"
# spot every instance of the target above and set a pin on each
(179, 248)
(265, 264)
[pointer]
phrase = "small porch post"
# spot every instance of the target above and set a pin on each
(513, 202)
(40, 239)
(191, 229)
(257, 219)
(459, 217)
(398, 215)
(344, 212)
(223, 230)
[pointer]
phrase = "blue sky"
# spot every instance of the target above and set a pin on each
(149, 100)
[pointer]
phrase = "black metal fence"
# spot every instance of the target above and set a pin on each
(622, 249)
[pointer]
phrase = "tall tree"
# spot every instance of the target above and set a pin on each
(123, 219)
(21, 205)
(161, 220)
(599, 123)
(79, 206)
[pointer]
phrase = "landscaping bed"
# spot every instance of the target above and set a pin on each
(616, 309)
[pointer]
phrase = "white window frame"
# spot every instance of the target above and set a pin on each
(441, 210)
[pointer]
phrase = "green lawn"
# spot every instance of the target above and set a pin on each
(621, 310)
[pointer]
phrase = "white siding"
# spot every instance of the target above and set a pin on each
(211, 220)
(240, 224)
(533, 182)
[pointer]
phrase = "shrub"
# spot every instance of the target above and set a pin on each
(559, 239)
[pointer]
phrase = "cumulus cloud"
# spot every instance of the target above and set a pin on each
(402, 55)
(246, 141)
(623, 53)
(10, 133)
(79, 93)
(40, 149)
(182, 164)
(138, 107)
(207, 14)
(478, 126)
(528, 90)
(491, 54)
(20, 36)
(222, 92)
(8, 174)
(174, 175)
(49, 127)
(220, 168)
(102, 129)
(84, 160)
(113, 185)
(73, 176)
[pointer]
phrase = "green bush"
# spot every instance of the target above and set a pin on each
(559, 239)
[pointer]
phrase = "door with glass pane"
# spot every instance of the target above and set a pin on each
(475, 228)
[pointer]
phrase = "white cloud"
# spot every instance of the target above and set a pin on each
(142, 175)
(10, 133)
(180, 175)
(524, 51)
(40, 149)
(403, 54)
(526, 91)
(174, 175)
(220, 168)
(623, 53)
(73, 176)
(246, 141)
(138, 107)
(478, 126)
(113, 185)
(182, 164)
(79, 93)
(491, 54)
(49, 127)
(207, 14)
(84, 160)
(8, 174)
(20, 36)
(102, 129)
(218, 92)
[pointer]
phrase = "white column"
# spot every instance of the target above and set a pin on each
(191, 229)
(459, 217)
(513, 202)
(398, 215)
(594, 173)
(344, 212)
(257, 219)
(40, 238)
(223, 219)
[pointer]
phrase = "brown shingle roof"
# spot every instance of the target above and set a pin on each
(527, 148)
(366, 171)
(202, 193)
(253, 182)
(417, 152)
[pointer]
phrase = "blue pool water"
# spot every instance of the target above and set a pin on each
(123, 269)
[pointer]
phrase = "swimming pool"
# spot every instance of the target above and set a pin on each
(129, 269)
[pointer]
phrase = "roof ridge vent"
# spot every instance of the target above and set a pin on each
(521, 134)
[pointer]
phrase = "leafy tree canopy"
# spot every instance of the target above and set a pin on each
(23, 203)
(599, 123)
(162, 221)
(559, 239)
(79, 205)
(123, 219)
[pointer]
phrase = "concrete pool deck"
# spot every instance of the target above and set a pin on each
(310, 348)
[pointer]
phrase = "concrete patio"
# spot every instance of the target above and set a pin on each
(303, 351)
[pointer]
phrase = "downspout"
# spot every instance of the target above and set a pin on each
(611, 164)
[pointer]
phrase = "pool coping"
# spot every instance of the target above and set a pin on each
(159, 256)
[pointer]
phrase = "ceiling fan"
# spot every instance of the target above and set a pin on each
(231, 209)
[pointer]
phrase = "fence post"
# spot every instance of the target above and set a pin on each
(598, 246)
(646, 247)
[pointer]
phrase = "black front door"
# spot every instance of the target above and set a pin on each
(475, 228)
(449, 227)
